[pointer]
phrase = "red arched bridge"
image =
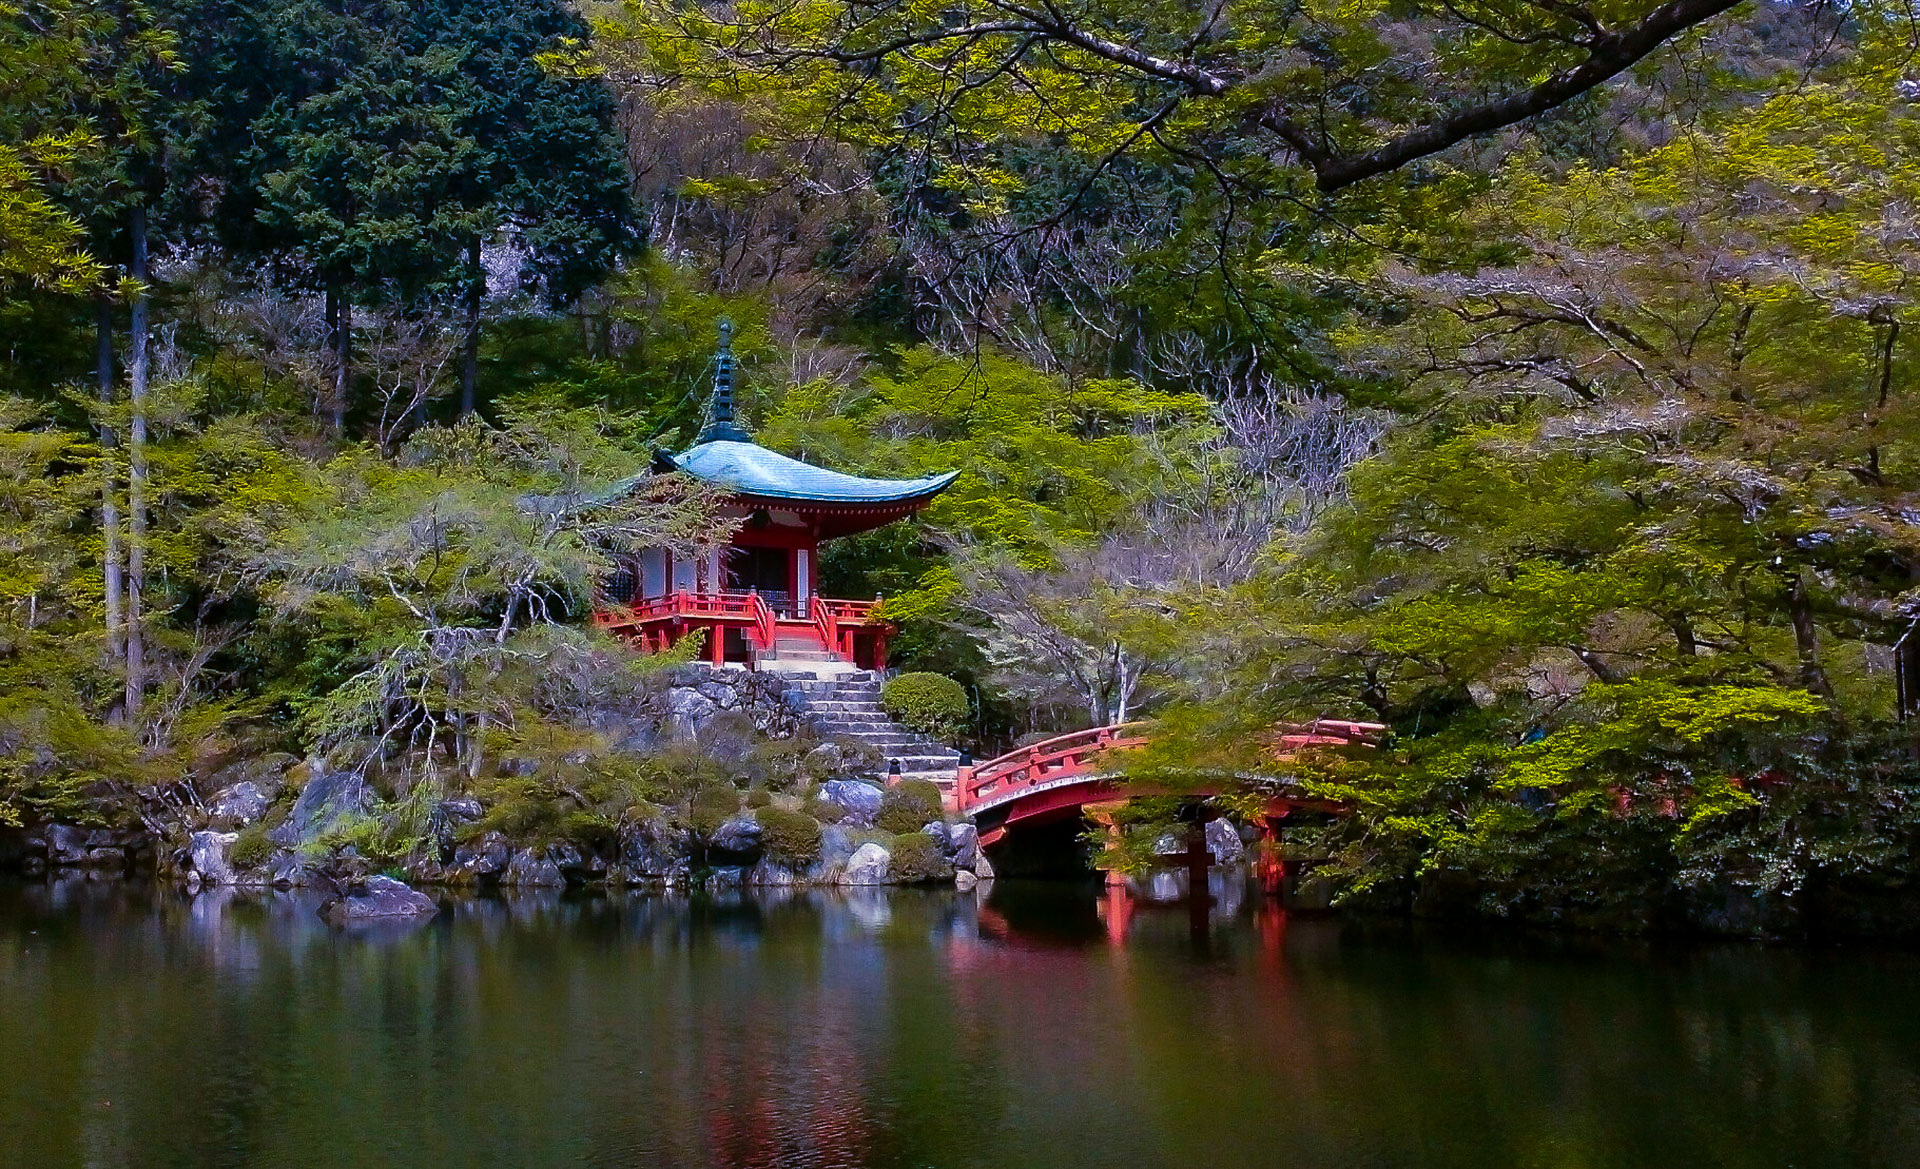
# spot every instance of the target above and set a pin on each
(1058, 777)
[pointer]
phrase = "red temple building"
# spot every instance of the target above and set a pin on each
(758, 599)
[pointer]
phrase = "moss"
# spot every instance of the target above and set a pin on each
(791, 838)
(917, 857)
(825, 811)
(909, 806)
(253, 848)
(711, 806)
(759, 798)
(932, 704)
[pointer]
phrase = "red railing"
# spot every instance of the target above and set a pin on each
(1063, 757)
(749, 609)
(829, 615)
(1018, 771)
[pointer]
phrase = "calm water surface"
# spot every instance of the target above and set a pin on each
(139, 1027)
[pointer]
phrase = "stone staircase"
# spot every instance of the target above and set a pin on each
(847, 706)
(803, 653)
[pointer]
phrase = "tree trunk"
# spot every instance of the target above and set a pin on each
(110, 558)
(331, 347)
(137, 374)
(1806, 637)
(340, 349)
(470, 358)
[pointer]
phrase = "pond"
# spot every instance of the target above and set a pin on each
(1037, 1025)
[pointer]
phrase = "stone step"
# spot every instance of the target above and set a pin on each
(885, 735)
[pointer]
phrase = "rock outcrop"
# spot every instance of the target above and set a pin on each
(869, 865)
(377, 898)
(858, 799)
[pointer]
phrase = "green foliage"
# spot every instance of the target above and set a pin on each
(916, 858)
(792, 838)
(710, 807)
(824, 811)
(252, 848)
(932, 704)
(909, 806)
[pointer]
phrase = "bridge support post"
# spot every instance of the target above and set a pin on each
(1270, 866)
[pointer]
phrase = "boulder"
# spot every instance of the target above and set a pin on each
(461, 810)
(653, 849)
(527, 871)
(687, 711)
(739, 835)
(826, 759)
(837, 845)
(867, 866)
(241, 804)
(859, 799)
(938, 830)
(963, 845)
(329, 798)
(377, 897)
(484, 856)
(209, 857)
(982, 867)
(66, 845)
(106, 859)
(964, 880)
(769, 874)
(1224, 843)
(727, 877)
(568, 858)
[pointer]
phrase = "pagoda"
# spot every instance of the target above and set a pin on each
(758, 598)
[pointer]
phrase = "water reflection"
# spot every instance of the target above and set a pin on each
(1013, 1026)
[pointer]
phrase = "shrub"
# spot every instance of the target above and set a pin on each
(932, 704)
(791, 838)
(825, 811)
(909, 806)
(917, 857)
(759, 798)
(253, 848)
(710, 807)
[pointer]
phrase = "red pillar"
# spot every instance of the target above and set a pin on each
(717, 651)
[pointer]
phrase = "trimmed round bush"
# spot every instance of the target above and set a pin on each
(917, 857)
(909, 806)
(791, 838)
(932, 704)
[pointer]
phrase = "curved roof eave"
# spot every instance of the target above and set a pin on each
(751, 469)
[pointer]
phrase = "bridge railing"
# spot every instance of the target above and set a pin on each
(1064, 756)
(1027, 767)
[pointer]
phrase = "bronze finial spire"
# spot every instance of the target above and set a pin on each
(720, 424)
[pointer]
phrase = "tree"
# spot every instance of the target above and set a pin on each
(1635, 589)
(453, 568)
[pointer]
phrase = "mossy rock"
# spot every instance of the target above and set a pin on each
(759, 798)
(710, 807)
(790, 838)
(825, 811)
(917, 858)
(909, 806)
(252, 849)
